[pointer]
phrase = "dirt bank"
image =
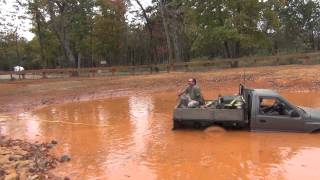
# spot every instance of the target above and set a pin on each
(20, 96)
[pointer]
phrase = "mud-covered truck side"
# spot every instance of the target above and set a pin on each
(252, 109)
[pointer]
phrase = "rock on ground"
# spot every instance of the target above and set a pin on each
(23, 160)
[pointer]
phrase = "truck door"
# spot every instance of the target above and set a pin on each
(275, 114)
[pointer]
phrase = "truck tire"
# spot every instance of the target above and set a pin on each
(197, 125)
(176, 125)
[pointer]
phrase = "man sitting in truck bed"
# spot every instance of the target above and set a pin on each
(191, 97)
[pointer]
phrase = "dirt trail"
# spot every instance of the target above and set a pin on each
(21, 96)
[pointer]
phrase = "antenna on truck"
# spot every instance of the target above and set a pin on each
(244, 77)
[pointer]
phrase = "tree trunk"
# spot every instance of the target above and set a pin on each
(227, 49)
(237, 49)
(59, 27)
(176, 44)
(276, 48)
(41, 39)
(238, 25)
(79, 63)
(177, 30)
(64, 40)
(17, 46)
(91, 43)
(166, 31)
(313, 46)
(177, 56)
(318, 43)
(153, 53)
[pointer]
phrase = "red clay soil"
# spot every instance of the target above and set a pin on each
(26, 95)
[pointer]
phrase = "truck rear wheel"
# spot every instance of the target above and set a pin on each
(197, 125)
(176, 125)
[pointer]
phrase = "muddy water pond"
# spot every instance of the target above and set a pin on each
(131, 138)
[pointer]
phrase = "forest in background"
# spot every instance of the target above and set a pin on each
(84, 33)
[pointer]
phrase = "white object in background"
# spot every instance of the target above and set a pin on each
(18, 68)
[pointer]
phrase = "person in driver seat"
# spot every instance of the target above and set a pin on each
(278, 108)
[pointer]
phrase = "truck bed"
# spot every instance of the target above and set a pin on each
(208, 114)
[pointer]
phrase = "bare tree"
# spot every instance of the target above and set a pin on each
(175, 13)
(34, 10)
(59, 25)
(166, 28)
(153, 52)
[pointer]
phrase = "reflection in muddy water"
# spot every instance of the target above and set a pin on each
(131, 137)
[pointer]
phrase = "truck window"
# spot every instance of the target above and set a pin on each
(273, 107)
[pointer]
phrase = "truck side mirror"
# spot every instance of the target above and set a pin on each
(294, 114)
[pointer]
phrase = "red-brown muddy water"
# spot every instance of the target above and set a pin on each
(131, 138)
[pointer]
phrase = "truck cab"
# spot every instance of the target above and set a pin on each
(252, 109)
(270, 111)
